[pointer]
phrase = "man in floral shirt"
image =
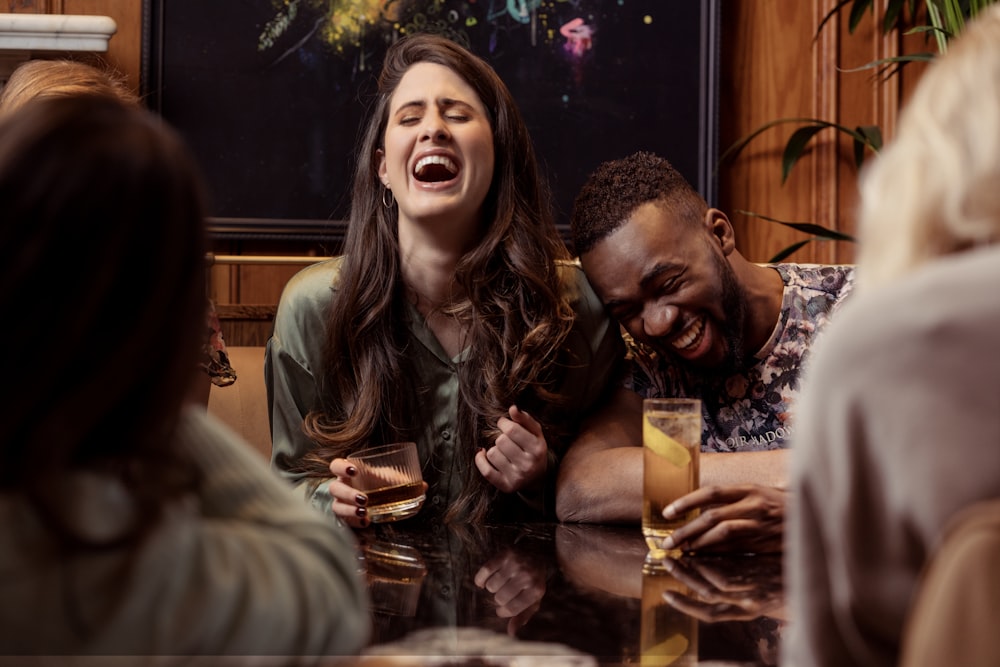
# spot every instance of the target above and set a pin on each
(748, 406)
(701, 321)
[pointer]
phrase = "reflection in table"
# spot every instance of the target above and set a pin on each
(564, 594)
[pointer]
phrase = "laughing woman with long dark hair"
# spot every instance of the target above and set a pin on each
(454, 317)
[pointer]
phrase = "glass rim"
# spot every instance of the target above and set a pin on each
(671, 402)
(380, 450)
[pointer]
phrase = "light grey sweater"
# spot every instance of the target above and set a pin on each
(244, 567)
(899, 428)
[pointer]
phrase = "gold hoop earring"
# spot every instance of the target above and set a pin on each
(387, 201)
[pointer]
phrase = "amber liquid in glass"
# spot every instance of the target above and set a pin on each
(668, 475)
(392, 503)
(667, 635)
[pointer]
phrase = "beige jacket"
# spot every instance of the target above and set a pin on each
(244, 567)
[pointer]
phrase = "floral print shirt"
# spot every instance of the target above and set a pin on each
(751, 409)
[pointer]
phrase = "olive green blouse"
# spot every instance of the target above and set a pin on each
(294, 356)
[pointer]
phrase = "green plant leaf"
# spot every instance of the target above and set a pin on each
(857, 12)
(795, 147)
(976, 6)
(935, 17)
(925, 28)
(737, 147)
(784, 253)
(945, 19)
(890, 67)
(829, 15)
(891, 18)
(873, 133)
(873, 140)
(796, 144)
(953, 16)
(818, 231)
(908, 58)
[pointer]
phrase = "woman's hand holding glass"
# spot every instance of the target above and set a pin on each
(349, 502)
(518, 456)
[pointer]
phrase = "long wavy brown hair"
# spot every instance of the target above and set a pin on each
(512, 306)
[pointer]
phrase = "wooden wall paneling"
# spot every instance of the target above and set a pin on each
(770, 67)
(125, 46)
(246, 297)
(264, 282)
(911, 73)
(800, 74)
(824, 173)
(34, 7)
(246, 325)
(866, 98)
(220, 284)
(768, 71)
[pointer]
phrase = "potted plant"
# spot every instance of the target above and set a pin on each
(939, 20)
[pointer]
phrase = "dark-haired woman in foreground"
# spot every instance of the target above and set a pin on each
(134, 523)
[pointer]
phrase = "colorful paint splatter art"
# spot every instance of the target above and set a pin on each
(273, 102)
(345, 26)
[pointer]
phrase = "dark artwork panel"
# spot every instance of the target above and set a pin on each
(271, 94)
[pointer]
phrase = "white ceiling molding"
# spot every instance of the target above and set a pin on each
(55, 32)
(26, 36)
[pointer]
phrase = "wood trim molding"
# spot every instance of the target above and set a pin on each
(35, 7)
(826, 83)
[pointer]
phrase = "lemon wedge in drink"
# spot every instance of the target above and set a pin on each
(664, 653)
(663, 445)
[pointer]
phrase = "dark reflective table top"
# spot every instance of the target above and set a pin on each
(563, 594)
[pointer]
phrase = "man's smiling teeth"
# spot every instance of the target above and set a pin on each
(690, 335)
(426, 165)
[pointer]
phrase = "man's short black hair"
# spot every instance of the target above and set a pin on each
(618, 187)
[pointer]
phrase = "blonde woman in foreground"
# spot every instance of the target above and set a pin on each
(900, 415)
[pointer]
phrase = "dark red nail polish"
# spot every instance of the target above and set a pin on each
(361, 499)
(352, 471)
(361, 511)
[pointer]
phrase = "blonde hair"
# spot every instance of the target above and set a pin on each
(42, 79)
(935, 189)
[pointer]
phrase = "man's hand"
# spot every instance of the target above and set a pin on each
(518, 457)
(718, 593)
(747, 518)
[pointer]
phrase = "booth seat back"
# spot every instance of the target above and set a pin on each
(953, 617)
(243, 404)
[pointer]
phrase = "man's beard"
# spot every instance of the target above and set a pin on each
(734, 307)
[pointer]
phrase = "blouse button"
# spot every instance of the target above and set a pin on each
(446, 435)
